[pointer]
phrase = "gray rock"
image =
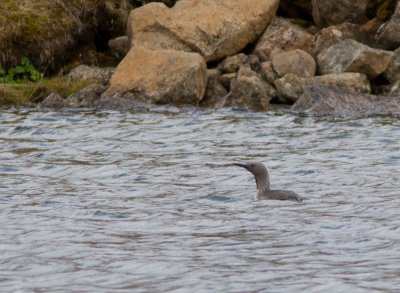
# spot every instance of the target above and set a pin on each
(352, 56)
(392, 72)
(389, 34)
(268, 73)
(281, 35)
(248, 91)
(231, 64)
(291, 87)
(215, 93)
(119, 46)
(296, 62)
(323, 100)
(53, 101)
(91, 73)
(338, 33)
(328, 12)
(87, 96)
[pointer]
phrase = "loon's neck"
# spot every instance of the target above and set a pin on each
(263, 185)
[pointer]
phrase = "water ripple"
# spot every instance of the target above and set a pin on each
(149, 201)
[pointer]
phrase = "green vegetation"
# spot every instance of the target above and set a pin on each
(382, 9)
(20, 73)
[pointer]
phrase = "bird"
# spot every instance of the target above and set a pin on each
(260, 172)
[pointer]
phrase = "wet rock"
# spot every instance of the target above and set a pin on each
(248, 91)
(53, 101)
(133, 100)
(231, 64)
(119, 46)
(86, 97)
(281, 35)
(352, 56)
(296, 62)
(389, 34)
(392, 72)
(323, 100)
(91, 73)
(291, 87)
(164, 76)
(331, 35)
(327, 12)
(214, 29)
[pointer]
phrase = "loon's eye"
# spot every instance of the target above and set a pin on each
(252, 165)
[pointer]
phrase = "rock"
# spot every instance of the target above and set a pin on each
(248, 91)
(352, 56)
(350, 81)
(119, 46)
(231, 64)
(392, 72)
(213, 73)
(322, 100)
(281, 35)
(333, 34)
(214, 29)
(91, 73)
(164, 76)
(297, 62)
(389, 34)
(226, 80)
(215, 93)
(87, 96)
(291, 87)
(268, 73)
(327, 12)
(53, 101)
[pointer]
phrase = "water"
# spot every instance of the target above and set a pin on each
(149, 202)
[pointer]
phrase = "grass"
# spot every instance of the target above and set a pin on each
(30, 93)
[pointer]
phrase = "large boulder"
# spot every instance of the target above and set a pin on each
(337, 33)
(352, 56)
(323, 100)
(248, 91)
(163, 76)
(389, 34)
(392, 72)
(214, 29)
(281, 35)
(328, 12)
(291, 87)
(296, 62)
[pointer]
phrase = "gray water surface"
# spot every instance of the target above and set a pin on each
(149, 202)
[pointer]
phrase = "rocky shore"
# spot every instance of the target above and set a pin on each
(315, 56)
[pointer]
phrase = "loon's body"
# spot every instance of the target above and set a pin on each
(261, 175)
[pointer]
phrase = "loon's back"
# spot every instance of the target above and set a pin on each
(280, 195)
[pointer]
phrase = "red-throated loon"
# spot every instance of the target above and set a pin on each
(261, 175)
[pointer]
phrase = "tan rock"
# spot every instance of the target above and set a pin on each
(297, 62)
(215, 29)
(281, 35)
(352, 56)
(267, 72)
(164, 76)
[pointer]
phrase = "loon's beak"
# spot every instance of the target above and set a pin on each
(241, 165)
